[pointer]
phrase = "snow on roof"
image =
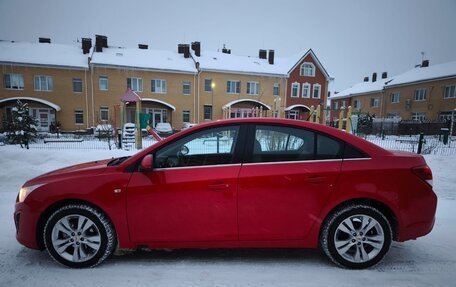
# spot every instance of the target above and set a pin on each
(144, 58)
(419, 74)
(160, 102)
(48, 103)
(362, 88)
(43, 54)
(245, 100)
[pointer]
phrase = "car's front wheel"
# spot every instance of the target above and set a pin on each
(79, 236)
(356, 236)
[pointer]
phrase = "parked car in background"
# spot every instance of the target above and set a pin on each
(164, 129)
(188, 125)
(243, 183)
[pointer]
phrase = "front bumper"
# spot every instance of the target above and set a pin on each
(26, 221)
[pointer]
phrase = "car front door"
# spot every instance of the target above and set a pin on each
(282, 189)
(190, 195)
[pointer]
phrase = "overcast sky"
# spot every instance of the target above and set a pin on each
(351, 38)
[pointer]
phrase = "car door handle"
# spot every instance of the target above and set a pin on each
(315, 179)
(218, 186)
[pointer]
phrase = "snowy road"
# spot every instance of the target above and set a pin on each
(428, 261)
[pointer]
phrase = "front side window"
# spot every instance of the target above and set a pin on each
(79, 117)
(43, 83)
(276, 89)
(207, 112)
(253, 88)
(420, 95)
(306, 90)
(103, 83)
(13, 81)
(208, 85)
(233, 87)
(215, 146)
(316, 91)
(77, 85)
(104, 114)
(308, 70)
(450, 92)
(395, 97)
(186, 87)
(295, 90)
(158, 86)
(136, 84)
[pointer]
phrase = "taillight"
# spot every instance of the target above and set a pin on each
(423, 172)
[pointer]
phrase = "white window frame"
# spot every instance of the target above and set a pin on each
(393, 115)
(449, 92)
(375, 102)
(307, 69)
(136, 84)
(45, 83)
(420, 95)
(395, 97)
(293, 114)
(319, 91)
(206, 87)
(306, 88)
(186, 83)
(79, 112)
(185, 113)
(253, 88)
(357, 104)
(104, 110)
(418, 116)
(75, 80)
(158, 86)
(294, 86)
(336, 105)
(103, 80)
(16, 81)
(276, 89)
(230, 84)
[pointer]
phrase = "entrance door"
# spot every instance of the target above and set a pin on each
(157, 117)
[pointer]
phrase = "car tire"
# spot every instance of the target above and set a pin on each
(356, 236)
(79, 236)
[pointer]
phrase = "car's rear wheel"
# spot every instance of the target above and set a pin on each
(356, 236)
(79, 236)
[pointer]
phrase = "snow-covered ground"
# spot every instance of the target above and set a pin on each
(428, 261)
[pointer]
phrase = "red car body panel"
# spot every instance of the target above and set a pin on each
(236, 205)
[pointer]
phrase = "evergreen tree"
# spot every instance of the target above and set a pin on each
(22, 127)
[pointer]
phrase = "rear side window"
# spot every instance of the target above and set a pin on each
(352, 152)
(328, 148)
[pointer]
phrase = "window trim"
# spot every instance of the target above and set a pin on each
(236, 86)
(104, 78)
(189, 88)
(20, 78)
(210, 85)
(297, 85)
(445, 92)
(81, 112)
(204, 112)
(309, 90)
(375, 102)
(319, 91)
(256, 86)
(274, 87)
(189, 116)
(105, 108)
(303, 70)
(48, 80)
(163, 83)
(137, 79)
(422, 96)
(75, 80)
(398, 100)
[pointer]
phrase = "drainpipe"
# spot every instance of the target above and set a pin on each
(194, 96)
(86, 98)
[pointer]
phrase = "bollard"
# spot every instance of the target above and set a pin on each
(420, 143)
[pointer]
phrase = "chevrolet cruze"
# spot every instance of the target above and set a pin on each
(243, 183)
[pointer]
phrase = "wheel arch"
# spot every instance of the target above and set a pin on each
(54, 207)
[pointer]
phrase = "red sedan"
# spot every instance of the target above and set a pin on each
(246, 183)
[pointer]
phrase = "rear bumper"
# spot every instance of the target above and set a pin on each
(26, 223)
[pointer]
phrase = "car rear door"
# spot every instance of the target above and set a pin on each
(289, 175)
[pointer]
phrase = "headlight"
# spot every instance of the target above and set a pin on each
(25, 191)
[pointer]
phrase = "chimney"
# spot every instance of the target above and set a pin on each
(44, 40)
(262, 54)
(98, 43)
(86, 45)
(180, 48)
(271, 57)
(226, 51)
(424, 64)
(196, 46)
(105, 41)
(186, 51)
(366, 79)
(143, 46)
(384, 75)
(374, 77)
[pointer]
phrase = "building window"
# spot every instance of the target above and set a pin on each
(395, 97)
(294, 115)
(103, 83)
(104, 114)
(233, 87)
(445, 116)
(420, 95)
(276, 89)
(186, 87)
(79, 117)
(43, 83)
(253, 88)
(77, 85)
(306, 90)
(295, 90)
(357, 104)
(207, 112)
(344, 104)
(375, 102)
(136, 84)
(316, 91)
(419, 116)
(336, 105)
(13, 81)
(158, 86)
(308, 69)
(393, 115)
(208, 85)
(450, 92)
(186, 116)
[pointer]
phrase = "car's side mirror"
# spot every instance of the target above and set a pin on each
(147, 163)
